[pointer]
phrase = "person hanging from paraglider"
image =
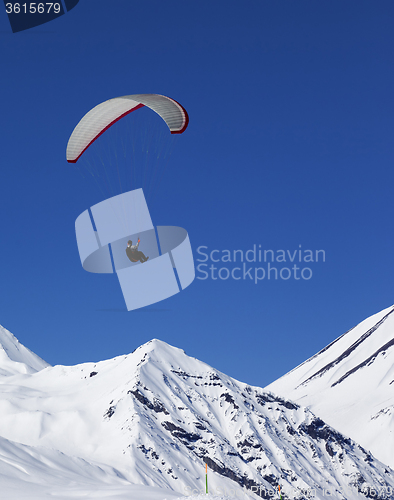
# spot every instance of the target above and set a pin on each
(133, 253)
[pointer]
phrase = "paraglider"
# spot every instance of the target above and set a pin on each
(111, 226)
(133, 253)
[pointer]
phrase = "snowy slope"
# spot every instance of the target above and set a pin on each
(350, 384)
(157, 416)
(35, 472)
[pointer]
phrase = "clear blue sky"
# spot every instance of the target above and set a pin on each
(290, 143)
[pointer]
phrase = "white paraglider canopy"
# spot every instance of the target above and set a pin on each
(104, 115)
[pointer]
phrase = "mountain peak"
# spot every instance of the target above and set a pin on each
(158, 345)
(15, 357)
(168, 357)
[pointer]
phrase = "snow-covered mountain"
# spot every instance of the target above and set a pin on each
(350, 384)
(157, 416)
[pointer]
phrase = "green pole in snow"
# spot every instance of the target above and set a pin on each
(206, 478)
